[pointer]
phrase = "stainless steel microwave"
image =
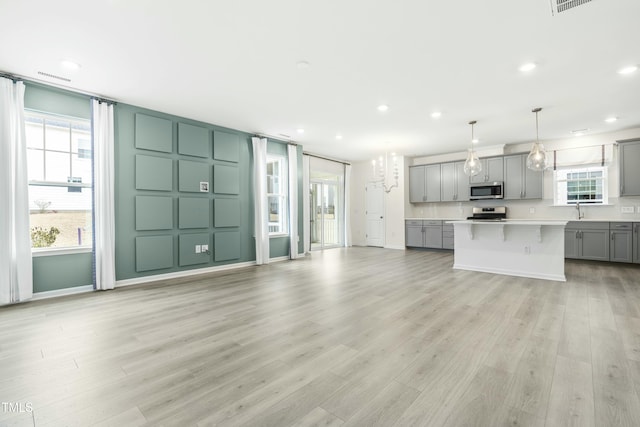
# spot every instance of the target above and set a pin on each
(486, 190)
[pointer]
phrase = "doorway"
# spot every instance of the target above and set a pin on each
(324, 214)
(375, 214)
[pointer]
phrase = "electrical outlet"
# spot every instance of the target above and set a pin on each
(532, 210)
(205, 248)
(198, 249)
(626, 209)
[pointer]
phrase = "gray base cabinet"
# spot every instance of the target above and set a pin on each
(621, 249)
(587, 240)
(636, 242)
(428, 234)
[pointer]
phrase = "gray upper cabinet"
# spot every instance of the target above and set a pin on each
(492, 171)
(621, 245)
(424, 183)
(519, 181)
(417, 192)
(629, 171)
(454, 184)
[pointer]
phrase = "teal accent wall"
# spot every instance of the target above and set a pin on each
(52, 100)
(189, 225)
(55, 272)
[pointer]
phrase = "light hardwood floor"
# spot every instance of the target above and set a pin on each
(353, 337)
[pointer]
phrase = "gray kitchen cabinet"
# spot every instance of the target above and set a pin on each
(587, 240)
(414, 234)
(447, 236)
(621, 245)
(629, 159)
(454, 184)
(492, 171)
(636, 242)
(423, 234)
(424, 183)
(519, 181)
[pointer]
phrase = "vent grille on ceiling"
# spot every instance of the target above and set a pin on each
(53, 76)
(558, 6)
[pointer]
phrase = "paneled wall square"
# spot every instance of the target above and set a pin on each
(225, 146)
(227, 245)
(154, 173)
(153, 133)
(193, 140)
(191, 174)
(226, 179)
(193, 212)
(154, 213)
(226, 212)
(154, 253)
(188, 255)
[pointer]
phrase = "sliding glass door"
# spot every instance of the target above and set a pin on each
(325, 214)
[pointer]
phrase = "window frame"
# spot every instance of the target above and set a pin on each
(282, 195)
(81, 153)
(561, 182)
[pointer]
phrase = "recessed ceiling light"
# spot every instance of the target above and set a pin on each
(300, 130)
(70, 65)
(383, 107)
(610, 119)
(436, 114)
(475, 140)
(628, 70)
(527, 67)
(338, 136)
(302, 65)
(579, 132)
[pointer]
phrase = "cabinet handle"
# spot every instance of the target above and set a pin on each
(577, 233)
(612, 236)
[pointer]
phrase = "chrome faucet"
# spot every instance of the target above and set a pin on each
(580, 214)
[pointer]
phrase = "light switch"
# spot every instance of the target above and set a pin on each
(205, 248)
(627, 209)
(198, 249)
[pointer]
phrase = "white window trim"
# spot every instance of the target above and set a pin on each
(582, 168)
(284, 188)
(68, 250)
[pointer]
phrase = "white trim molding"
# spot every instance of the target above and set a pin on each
(62, 292)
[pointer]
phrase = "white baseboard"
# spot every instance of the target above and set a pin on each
(506, 272)
(62, 292)
(179, 274)
(402, 248)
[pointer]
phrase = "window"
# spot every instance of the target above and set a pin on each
(59, 160)
(277, 195)
(586, 185)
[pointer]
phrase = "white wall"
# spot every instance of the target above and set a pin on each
(542, 209)
(394, 205)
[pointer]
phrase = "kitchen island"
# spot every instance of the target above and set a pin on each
(512, 247)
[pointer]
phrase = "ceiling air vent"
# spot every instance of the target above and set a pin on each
(53, 76)
(558, 6)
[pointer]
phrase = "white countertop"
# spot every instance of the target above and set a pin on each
(527, 219)
(511, 222)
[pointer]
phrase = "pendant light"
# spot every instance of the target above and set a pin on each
(472, 166)
(537, 158)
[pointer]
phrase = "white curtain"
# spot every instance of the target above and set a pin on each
(260, 199)
(347, 205)
(103, 184)
(16, 268)
(292, 152)
(306, 215)
(579, 156)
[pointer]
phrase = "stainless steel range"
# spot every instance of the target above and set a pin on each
(498, 213)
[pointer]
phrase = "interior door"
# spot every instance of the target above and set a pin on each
(375, 214)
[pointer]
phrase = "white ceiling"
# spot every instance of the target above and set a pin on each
(233, 63)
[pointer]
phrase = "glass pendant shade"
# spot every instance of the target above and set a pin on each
(473, 165)
(537, 158)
